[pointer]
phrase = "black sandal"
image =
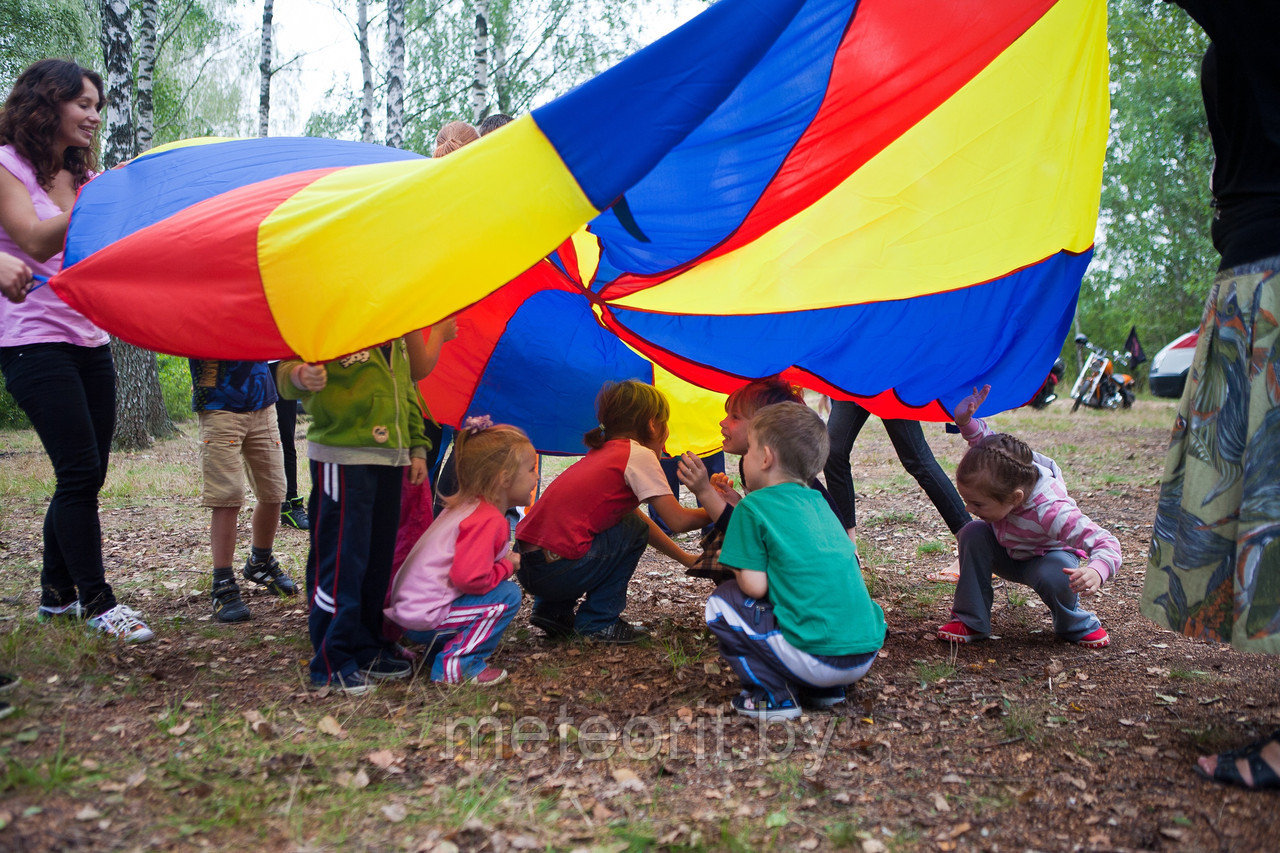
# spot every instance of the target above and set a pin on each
(1264, 775)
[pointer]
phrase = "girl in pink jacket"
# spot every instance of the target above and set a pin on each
(1028, 530)
(453, 593)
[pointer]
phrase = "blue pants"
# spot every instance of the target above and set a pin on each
(846, 421)
(981, 555)
(69, 393)
(752, 643)
(602, 575)
(354, 510)
(469, 632)
(670, 468)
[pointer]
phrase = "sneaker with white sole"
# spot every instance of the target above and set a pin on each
(270, 575)
(386, 668)
(758, 706)
(355, 684)
(122, 622)
(73, 611)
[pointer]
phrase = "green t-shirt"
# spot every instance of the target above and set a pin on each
(788, 532)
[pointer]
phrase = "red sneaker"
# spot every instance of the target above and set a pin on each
(1096, 640)
(488, 675)
(956, 631)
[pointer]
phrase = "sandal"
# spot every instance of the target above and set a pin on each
(1263, 774)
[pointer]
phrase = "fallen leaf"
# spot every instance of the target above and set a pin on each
(329, 726)
(180, 729)
(628, 779)
(347, 779)
(685, 715)
(711, 668)
(961, 829)
(809, 843)
(383, 759)
(395, 812)
(872, 845)
(953, 779)
(88, 813)
(940, 802)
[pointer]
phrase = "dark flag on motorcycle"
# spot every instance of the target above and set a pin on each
(1134, 348)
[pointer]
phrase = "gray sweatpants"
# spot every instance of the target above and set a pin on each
(981, 556)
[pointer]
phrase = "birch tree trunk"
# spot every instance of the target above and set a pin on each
(140, 410)
(264, 68)
(148, 12)
(501, 92)
(480, 67)
(395, 73)
(366, 69)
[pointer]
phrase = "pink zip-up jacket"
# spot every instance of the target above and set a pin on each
(463, 552)
(1049, 520)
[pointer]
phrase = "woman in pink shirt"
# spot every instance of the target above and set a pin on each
(56, 363)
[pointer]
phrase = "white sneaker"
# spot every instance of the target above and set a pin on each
(122, 622)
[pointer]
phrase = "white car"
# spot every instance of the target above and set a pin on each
(1169, 368)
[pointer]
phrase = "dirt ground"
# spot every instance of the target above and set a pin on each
(208, 737)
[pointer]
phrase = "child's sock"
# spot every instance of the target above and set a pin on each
(259, 555)
(221, 575)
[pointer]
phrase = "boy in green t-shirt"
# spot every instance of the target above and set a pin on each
(796, 623)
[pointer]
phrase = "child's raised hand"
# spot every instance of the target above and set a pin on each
(723, 485)
(1084, 580)
(967, 407)
(692, 471)
(310, 377)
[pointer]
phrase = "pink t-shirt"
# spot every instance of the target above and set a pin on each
(43, 318)
(592, 495)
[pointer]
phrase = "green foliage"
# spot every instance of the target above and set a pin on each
(1155, 259)
(175, 385)
(11, 417)
(36, 29)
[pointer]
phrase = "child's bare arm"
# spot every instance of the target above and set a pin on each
(693, 473)
(424, 352)
(753, 583)
(1084, 580)
(968, 407)
(679, 518)
(664, 543)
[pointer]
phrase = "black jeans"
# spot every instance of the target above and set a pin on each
(69, 393)
(287, 420)
(913, 452)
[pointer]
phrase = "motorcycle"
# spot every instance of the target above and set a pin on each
(1046, 395)
(1099, 385)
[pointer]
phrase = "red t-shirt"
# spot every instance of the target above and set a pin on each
(592, 495)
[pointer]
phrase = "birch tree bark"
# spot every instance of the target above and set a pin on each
(480, 65)
(264, 68)
(148, 12)
(366, 70)
(395, 73)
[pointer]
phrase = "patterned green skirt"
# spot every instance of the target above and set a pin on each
(1214, 569)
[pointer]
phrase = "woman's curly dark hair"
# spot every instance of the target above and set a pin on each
(29, 119)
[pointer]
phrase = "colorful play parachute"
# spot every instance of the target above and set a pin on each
(887, 200)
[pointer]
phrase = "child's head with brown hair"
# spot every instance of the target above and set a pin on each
(495, 462)
(742, 405)
(796, 437)
(996, 475)
(630, 409)
(453, 136)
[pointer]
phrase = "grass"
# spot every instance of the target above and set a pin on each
(677, 654)
(1019, 721)
(931, 672)
(928, 549)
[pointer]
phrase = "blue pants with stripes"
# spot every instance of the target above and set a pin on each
(752, 643)
(354, 511)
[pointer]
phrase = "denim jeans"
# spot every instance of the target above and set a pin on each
(69, 393)
(602, 575)
(846, 421)
(981, 555)
(469, 632)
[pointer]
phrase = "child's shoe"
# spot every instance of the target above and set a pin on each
(122, 622)
(8, 682)
(759, 707)
(293, 513)
(228, 606)
(1095, 640)
(821, 697)
(389, 669)
(554, 627)
(67, 611)
(488, 675)
(620, 633)
(270, 575)
(355, 684)
(956, 631)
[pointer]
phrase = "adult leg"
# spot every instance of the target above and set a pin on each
(843, 425)
(480, 621)
(1046, 576)
(287, 423)
(917, 458)
(980, 556)
(68, 392)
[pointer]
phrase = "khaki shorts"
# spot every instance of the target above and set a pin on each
(239, 445)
